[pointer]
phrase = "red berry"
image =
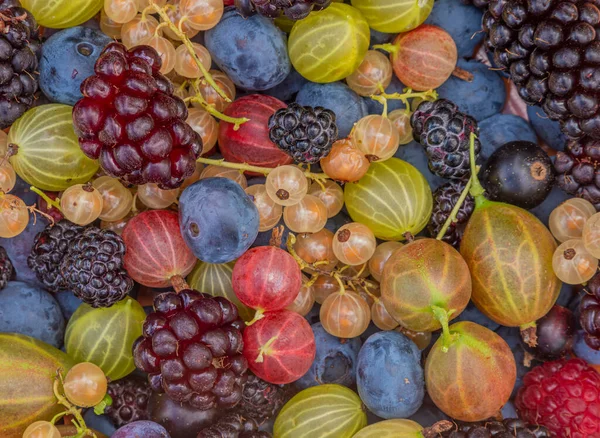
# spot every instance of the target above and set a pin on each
(564, 396)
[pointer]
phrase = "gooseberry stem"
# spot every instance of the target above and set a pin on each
(477, 189)
(265, 349)
(529, 334)
(260, 314)
(389, 47)
(179, 283)
(452, 218)
(53, 202)
(211, 109)
(443, 316)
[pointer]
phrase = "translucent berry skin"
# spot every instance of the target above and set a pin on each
(564, 396)
(280, 348)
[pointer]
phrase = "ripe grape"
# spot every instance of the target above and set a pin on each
(401, 120)
(286, 185)
(381, 255)
(205, 125)
(109, 27)
(323, 287)
(307, 216)
(381, 317)
(202, 14)
(376, 137)
(8, 177)
(572, 263)
(269, 211)
(85, 385)
(212, 171)
(175, 15)
(184, 62)
(591, 235)
(41, 429)
(345, 314)
(305, 299)
(373, 75)
(345, 162)
(165, 49)
(139, 29)
(568, 219)
(317, 248)
(81, 204)
(154, 197)
(14, 216)
(211, 96)
(120, 11)
(116, 199)
(332, 196)
(354, 243)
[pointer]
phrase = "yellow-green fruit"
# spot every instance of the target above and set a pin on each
(215, 280)
(392, 429)
(59, 14)
(329, 45)
(27, 371)
(393, 198)
(105, 336)
(509, 253)
(324, 411)
(48, 154)
(394, 16)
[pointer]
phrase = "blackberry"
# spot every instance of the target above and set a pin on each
(6, 268)
(509, 427)
(191, 348)
(262, 400)
(93, 268)
(589, 313)
(304, 133)
(233, 426)
(577, 169)
(445, 198)
(49, 248)
(130, 120)
(477, 3)
(129, 400)
(292, 9)
(445, 133)
(19, 53)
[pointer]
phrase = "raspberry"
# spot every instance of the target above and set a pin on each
(130, 120)
(564, 396)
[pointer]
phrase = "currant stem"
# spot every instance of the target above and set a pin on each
(443, 316)
(53, 202)
(477, 189)
(382, 100)
(452, 218)
(211, 109)
(407, 93)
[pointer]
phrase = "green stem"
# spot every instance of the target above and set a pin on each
(389, 47)
(260, 314)
(477, 189)
(443, 316)
(382, 100)
(454, 212)
(53, 202)
(237, 122)
(265, 349)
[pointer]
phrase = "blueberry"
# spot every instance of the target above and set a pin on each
(473, 314)
(395, 86)
(461, 21)
(147, 429)
(68, 303)
(251, 51)
(380, 38)
(335, 360)
(100, 423)
(68, 57)
(546, 129)
(390, 377)
(348, 106)
(31, 311)
(481, 98)
(218, 220)
(415, 155)
(503, 128)
(287, 90)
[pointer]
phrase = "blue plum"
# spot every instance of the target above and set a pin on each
(251, 51)
(30, 310)
(144, 428)
(390, 377)
(68, 57)
(481, 98)
(68, 302)
(218, 220)
(546, 129)
(335, 360)
(461, 21)
(414, 154)
(374, 107)
(348, 106)
(100, 423)
(503, 128)
(287, 90)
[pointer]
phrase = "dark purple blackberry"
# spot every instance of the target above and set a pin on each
(191, 348)
(477, 3)
(19, 53)
(445, 133)
(507, 428)
(292, 9)
(129, 400)
(262, 400)
(49, 249)
(589, 313)
(233, 426)
(578, 170)
(445, 198)
(304, 133)
(93, 268)
(6, 268)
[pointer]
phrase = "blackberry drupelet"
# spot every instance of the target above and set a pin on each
(6, 268)
(93, 268)
(49, 248)
(292, 9)
(589, 313)
(552, 53)
(129, 400)
(130, 120)
(304, 133)
(233, 426)
(262, 400)
(509, 427)
(445, 133)
(577, 169)
(191, 348)
(19, 52)
(445, 198)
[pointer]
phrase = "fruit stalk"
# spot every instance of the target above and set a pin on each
(477, 189)
(454, 212)
(211, 109)
(443, 316)
(179, 283)
(437, 429)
